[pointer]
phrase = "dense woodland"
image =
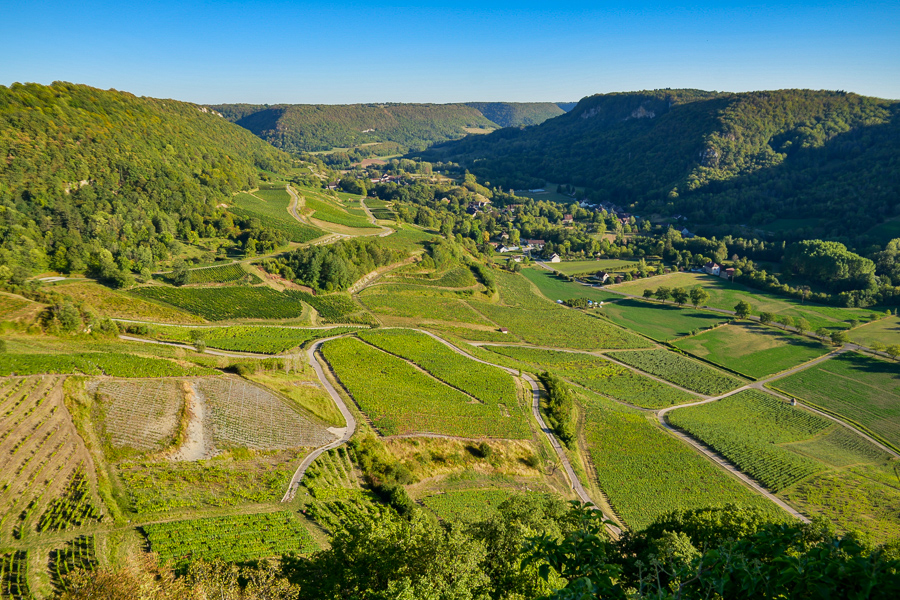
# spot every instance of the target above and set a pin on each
(717, 158)
(104, 181)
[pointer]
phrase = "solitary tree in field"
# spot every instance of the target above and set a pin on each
(786, 320)
(822, 332)
(742, 309)
(893, 350)
(803, 325)
(699, 296)
(663, 293)
(838, 337)
(680, 295)
(877, 346)
(648, 293)
(766, 317)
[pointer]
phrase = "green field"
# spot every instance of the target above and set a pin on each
(467, 505)
(113, 364)
(555, 288)
(680, 370)
(543, 323)
(883, 331)
(753, 349)
(456, 277)
(248, 338)
(577, 267)
(725, 294)
(328, 210)
(885, 231)
(399, 398)
(224, 303)
(599, 375)
(420, 303)
(857, 387)
(646, 472)
(220, 274)
(236, 538)
(270, 207)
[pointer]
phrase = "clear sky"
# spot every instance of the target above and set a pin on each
(395, 51)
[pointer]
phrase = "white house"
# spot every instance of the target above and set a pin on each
(712, 268)
(555, 258)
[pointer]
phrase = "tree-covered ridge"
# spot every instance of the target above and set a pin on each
(716, 157)
(516, 114)
(313, 127)
(104, 180)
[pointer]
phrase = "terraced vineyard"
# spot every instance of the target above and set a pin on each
(41, 454)
(328, 210)
(234, 539)
(95, 363)
(645, 472)
(419, 305)
(220, 304)
(600, 376)
(73, 508)
(457, 277)
(246, 415)
(467, 505)
(489, 385)
(857, 387)
(80, 553)
(222, 274)
(141, 414)
(749, 429)
(682, 371)
(249, 338)
(271, 208)
(399, 398)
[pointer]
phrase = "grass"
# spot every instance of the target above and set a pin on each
(753, 349)
(600, 376)
(680, 370)
(457, 277)
(121, 305)
(886, 231)
(302, 387)
(576, 267)
(113, 364)
(326, 210)
(725, 294)
(860, 388)
(399, 398)
(225, 303)
(270, 207)
(883, 331)
(408, 238)
(646, 472)
(419, 303)
(467, 505)
(248, 338)
(538, 321)
(555, 288)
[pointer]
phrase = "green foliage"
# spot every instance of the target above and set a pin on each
(399, 398)
(222, 274)
(467, 505)
(559, 406)
(829, 263)
(310, 127)
(235, 538)
(517, 114)
(765, 422)
(224, 303)
(72, 508)
(680, 370)
(14, 575)
(95, 363)
(114, 178)
(78, 554)
(270, 211)
(247, 338)
(328, 211)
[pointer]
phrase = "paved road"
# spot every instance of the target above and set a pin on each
(387, 230)
(347, 432)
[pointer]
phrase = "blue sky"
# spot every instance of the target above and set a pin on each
(317, 52)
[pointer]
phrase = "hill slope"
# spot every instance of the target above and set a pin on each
(97, 179)
(720, 157)
(314, 127)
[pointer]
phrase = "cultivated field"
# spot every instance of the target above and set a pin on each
(753, 349)
(725, 294)
(248, 338)
(857, 387)
(576, 267)
(421, 303)
(883, 331)
(328, 209)
(119, 305)
(600, 376)
(645, 472)
(680, 370)
(467, 505)
(271, 208)
(400, 398)
(141, 414)
(114, 364)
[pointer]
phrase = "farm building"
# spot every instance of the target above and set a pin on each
(555, 258)
(712, 268)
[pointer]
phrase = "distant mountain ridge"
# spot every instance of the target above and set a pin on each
(718, 157)
(316, 127)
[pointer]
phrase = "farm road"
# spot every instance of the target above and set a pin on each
(346, 433)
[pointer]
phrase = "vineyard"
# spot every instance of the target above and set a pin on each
(467, 505)
(457, 277)
(681, 371)
(80, 553)
(238, 538)
(9, 304)
(249, 338)
(73, 508)
(272, 213)
(43, 460)
(230, 479)
(399, 398)
(748, 429)
(223, 274)
(600, 376)
(326, 211)
(411, 303)
(140, 414)
(753, 349)
(14, 576)
(95, 363)
(490, 385)
(223, 303)
(249, 416)
(645, 472)
(863, 389)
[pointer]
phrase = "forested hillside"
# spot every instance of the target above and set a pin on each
(718, 157)
(103, 180)
(315, 127)
(516, 114)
